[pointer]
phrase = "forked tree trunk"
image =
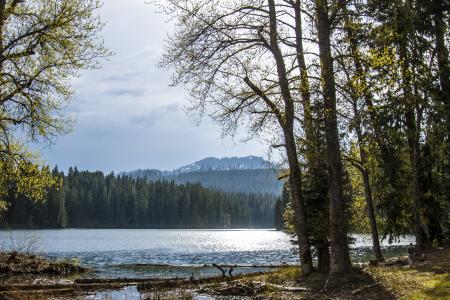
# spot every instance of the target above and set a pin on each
(295, 178)
(340, 257)
(322, 245)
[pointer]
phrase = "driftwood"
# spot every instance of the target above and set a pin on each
(237, 289)
(225, 271)
(283, 288)
(246, 266)
(357, 291)
(291, 289)
(87, 285)
(222, 270)
(120, 280)
(395, 262)
(56, 288)
(149, 285)
(212, 265)
(96, 284)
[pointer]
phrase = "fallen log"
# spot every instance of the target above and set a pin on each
(145, 286)
(121, 280)
(292, 289)
(238, 289)
(246, 266)
(357, 291)
(40, 287)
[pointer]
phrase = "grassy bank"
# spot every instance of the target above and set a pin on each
(428, 279)
(15, 263)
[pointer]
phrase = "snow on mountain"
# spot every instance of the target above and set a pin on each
(225, 163)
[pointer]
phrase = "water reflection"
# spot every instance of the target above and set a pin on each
(129, 252)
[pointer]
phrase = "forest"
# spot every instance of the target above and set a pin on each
(93, 200)
(256, 181)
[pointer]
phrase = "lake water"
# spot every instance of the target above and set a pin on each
(145, 252)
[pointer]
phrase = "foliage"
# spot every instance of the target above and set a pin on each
(44, 44)
(91, 199)
(22, 174)
(256, 181)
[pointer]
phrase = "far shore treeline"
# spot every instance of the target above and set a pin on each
(94, 200)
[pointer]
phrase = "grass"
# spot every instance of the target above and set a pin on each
(425, 280)
(25, 263)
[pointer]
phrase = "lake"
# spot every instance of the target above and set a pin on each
(149, 252)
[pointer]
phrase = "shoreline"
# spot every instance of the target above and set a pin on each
(394, 279)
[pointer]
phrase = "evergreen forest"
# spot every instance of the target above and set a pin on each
(94, 200)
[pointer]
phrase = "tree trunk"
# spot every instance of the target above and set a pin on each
(412, 125)
(443, 57)
(295, 178)
(323, 256)
(367, 189)
(340, 258)
(312, 159)
(2, 25)
(371, 215)
(358, 125)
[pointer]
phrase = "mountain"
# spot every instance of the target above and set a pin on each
(226, 163)
(250, 174)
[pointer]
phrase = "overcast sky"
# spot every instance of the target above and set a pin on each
(127, 115)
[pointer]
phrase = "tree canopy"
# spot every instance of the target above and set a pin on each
(43, 46)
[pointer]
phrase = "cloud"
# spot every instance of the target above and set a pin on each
(127, 115)
(157, 116)
(133, 92)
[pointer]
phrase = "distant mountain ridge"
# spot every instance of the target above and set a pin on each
(225, 163)
(250, 174)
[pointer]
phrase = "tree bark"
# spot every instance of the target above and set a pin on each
(443, 57)
(323, 256)
(295, 177)
(2, 24)
(362, 153)
(412, 123)
(367, 188)
(340, 257)
(370, 210)
(312, 159)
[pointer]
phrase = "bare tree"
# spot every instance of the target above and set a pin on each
(231, 54)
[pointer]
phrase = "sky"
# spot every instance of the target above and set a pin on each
(127, 116)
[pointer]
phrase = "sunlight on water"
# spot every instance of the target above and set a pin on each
(134, 252)
(81, 240)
